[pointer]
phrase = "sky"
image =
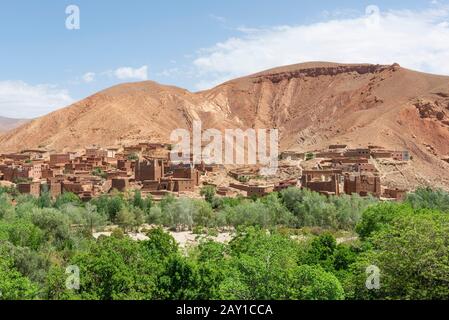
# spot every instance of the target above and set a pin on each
(46, 64)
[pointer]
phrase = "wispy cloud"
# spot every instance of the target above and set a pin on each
(415, 39)
(129, 73)
(89, 77)
(22, 100)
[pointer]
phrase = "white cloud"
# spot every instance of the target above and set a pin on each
(21, 100)
(89, 77)
(128, 73)
(417, 40)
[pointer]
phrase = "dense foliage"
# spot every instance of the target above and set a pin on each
(284, 247)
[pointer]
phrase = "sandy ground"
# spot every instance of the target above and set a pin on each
(187, 239)
(183, 238)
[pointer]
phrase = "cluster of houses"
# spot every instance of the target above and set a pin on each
(97, 171)
(147, 167)
(338, 170)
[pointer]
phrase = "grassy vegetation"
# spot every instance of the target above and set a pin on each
(284, 247)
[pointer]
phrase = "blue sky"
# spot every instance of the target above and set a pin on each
(197, 44)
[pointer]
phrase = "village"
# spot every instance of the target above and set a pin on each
(147, 167)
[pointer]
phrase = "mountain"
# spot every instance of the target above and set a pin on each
(7, 124)
(312, 104)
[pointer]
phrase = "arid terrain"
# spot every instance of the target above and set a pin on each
(312, 104)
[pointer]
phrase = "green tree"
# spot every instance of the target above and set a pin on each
(427, 198)
(321, 252)
(137, 200)
(203, 215)
(313, 283)
(13, 285)
(67, 198)
(44, 200)
(377, 217)
(22, 233)
(412, 256)
(160, 243)
(117, 269)
(126, 219)
(261, 266)
(208, 192)
(180, 279)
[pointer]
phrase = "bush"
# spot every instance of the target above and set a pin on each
(208, 192)
(426, 198)
(411, 254)
(377, 217)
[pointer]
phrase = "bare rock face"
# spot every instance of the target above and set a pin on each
(320, 71)
(426, 109)
(431, 110)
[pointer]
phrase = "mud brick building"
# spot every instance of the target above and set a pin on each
(46, 172)
(397, 194)
(125, 165)
(203, 167)
(322, 181)
(238, 186)
(111, 174)
(149, 170)
(285, 185)
(17, 157)
(224, 191)
(328, 154)
(358, 153)
(365, 168)
(338, 147)
(293, 155)
(176, 185)
(187, 173)
(150, 185)
(259, 191)
(59, 159)
(381, 154)
(400, 155)
(134, 150)
(346, 160)
(83, 189)
(111, 152)
(244, 173)
(362, 185)
(95, 152)
(34, 154)
(72, 186)
(120, 184)
(14, 172)
(32, 188)
(29, 171)
(8, 172)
